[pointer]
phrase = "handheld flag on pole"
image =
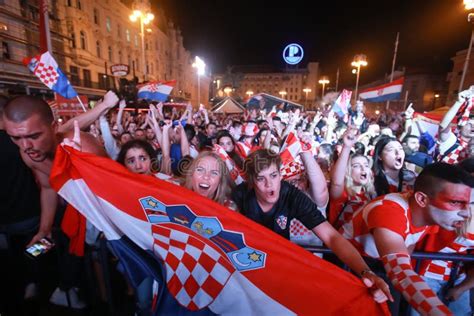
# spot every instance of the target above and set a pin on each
(342, 104)
(213, 259)
(156, 91)
(47, 70)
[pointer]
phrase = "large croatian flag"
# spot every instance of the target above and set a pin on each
(386, 92)
(213, 260)
(47, 70)
(156, 91)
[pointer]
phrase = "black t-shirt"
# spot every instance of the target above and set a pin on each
(19, 193)
(292, 203)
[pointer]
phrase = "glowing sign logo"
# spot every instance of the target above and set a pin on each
(293, 54)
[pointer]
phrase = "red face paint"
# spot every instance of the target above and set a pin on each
(453, 197)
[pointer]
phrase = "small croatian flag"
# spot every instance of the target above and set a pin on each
(156, 91)
(47, 70)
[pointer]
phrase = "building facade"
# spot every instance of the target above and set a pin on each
(454, 77)
(241, 82)
(88, 37)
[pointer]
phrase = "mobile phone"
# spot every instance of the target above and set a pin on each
(39, 248)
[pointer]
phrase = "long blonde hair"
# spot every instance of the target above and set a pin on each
(369, 188)
(224, 188)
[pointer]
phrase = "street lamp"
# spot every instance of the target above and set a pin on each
(306, 91)
(283, 93)
(227, 90)
(324, 81)
(359, 60)
(468, 5)
(200, 66)
(249, 93)
(145, 18)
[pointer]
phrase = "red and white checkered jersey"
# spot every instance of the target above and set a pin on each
(446, 242)
(390, 211)
(342, 210)
(455, 155)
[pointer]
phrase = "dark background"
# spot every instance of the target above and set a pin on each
(226, 33)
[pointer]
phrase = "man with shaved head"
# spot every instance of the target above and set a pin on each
(30, 124)
(19, 219)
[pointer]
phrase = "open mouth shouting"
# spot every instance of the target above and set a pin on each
(398, 163)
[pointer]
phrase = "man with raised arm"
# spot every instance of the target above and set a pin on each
(30, 124)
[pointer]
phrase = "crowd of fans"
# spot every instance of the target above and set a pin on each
(373, 189)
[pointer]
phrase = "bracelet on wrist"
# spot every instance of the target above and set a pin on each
(366, 271)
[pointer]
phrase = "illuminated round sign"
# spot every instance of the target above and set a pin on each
(293, 54)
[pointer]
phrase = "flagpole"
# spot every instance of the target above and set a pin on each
(82, 104)
(337, 78)
(393, 64)
(406, 100)
(45, 34)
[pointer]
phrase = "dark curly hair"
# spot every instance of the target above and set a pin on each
(138, 143)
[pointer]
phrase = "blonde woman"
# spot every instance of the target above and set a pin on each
(352, 182)
(208, 176)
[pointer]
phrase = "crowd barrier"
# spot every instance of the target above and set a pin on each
(418, 256)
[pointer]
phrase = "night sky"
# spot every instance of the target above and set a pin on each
(228, 33)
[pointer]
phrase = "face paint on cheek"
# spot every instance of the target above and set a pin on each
(449, 220)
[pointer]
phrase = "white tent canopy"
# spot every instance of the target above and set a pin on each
(229, 106)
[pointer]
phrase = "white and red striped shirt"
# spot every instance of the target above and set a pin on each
(390, 211)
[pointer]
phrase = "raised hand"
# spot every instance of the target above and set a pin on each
(331, 119)
(110, 99)
(409, 112)
(466, 94)
(349, 137)
(358, 120)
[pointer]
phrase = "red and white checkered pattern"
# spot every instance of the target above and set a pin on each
(297, 229)
(458, 154)
(441, 270)
(47, 74)
(353, 203)
(412, 286)
(291, 169)
(153, 87)
(290, 149)
(234, 171)
(196, 272)
(462, 116)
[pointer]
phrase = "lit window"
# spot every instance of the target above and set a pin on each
(127, 35)
(72, 41)
(108, 24)
(83, 40)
